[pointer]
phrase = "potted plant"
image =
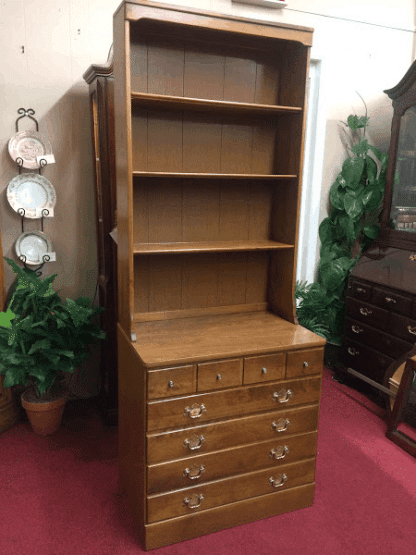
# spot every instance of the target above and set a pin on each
(42, 340)
(351, 226)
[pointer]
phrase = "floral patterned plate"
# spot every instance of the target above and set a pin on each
(28, 145)
(33, 193)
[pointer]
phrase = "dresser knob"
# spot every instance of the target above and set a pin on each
(194, 473)
(219, 376)
(279, 481)
(194, 443)
(283, 396)
(171, 383)
(195, 411)
(194, 501)
(281, 425)
(279, 452)
(264, 370)
(305, 364)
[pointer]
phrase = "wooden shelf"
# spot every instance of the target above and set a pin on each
(186, 340)
(208, 246)
(184, 175)
(159, 101)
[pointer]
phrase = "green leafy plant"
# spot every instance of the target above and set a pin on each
(43, 337)
(351, 226)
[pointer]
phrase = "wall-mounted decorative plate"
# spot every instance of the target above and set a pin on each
(32, 192)
(29, 145)
(32, 246)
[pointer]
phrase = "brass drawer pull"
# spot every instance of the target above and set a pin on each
(283, 396)
(195, 411)
(411, 330)
(279, 481)
(390, 300)
(353, 351)
(281, 425)
(360, 290)
(356, 329)
(365, 311)
(194, 442)
(194, 501)
(194, 473)
(279, 452)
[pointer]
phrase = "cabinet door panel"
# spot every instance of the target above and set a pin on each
(246, 458)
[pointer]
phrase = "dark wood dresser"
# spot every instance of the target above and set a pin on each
(381, 304)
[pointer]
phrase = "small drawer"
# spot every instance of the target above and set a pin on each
(229, 462)
(304, 363)
(393, 301)
(264, 368)
(205, 496)
(220, 374)
(171, 381)
(360, 290)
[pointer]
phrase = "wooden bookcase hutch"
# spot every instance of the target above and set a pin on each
(219, 386)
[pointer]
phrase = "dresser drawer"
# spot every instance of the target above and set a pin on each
(228, 462)
(170, 382)
(177, 444)
(360, 290)
(392, 300)
(264, 368)
(376, 339)
(367, 361)
(368, 314)
(229, 490)
(303, 363)
(404, 328)
(220, 374)
(191, 410)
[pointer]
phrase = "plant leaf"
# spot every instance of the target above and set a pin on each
(352, 170)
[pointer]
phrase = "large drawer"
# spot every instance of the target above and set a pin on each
(376, 339)
(220, 464)
(369, 362)
(404, 327)
(368, 314)
(191, 410)
(177, 444)
(229, 490)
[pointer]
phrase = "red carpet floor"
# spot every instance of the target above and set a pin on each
(58, 495)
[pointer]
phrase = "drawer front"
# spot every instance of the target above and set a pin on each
(376, 339)
(229, 490)
(192, 410)
(360, 290)
(220, 374)
(177, 444)
(229, 462)
(367, 361)
(304, 363)
(170, 382)
(264, 368)
(404, 328)
(390, 300)
(368, 314)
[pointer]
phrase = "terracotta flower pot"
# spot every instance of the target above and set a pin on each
(44, 416)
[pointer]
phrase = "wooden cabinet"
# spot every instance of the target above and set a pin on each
(219, 386)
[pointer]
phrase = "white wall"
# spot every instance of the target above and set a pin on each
(46, 45)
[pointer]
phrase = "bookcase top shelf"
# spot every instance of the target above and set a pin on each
(212, 175)
(208, 246)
